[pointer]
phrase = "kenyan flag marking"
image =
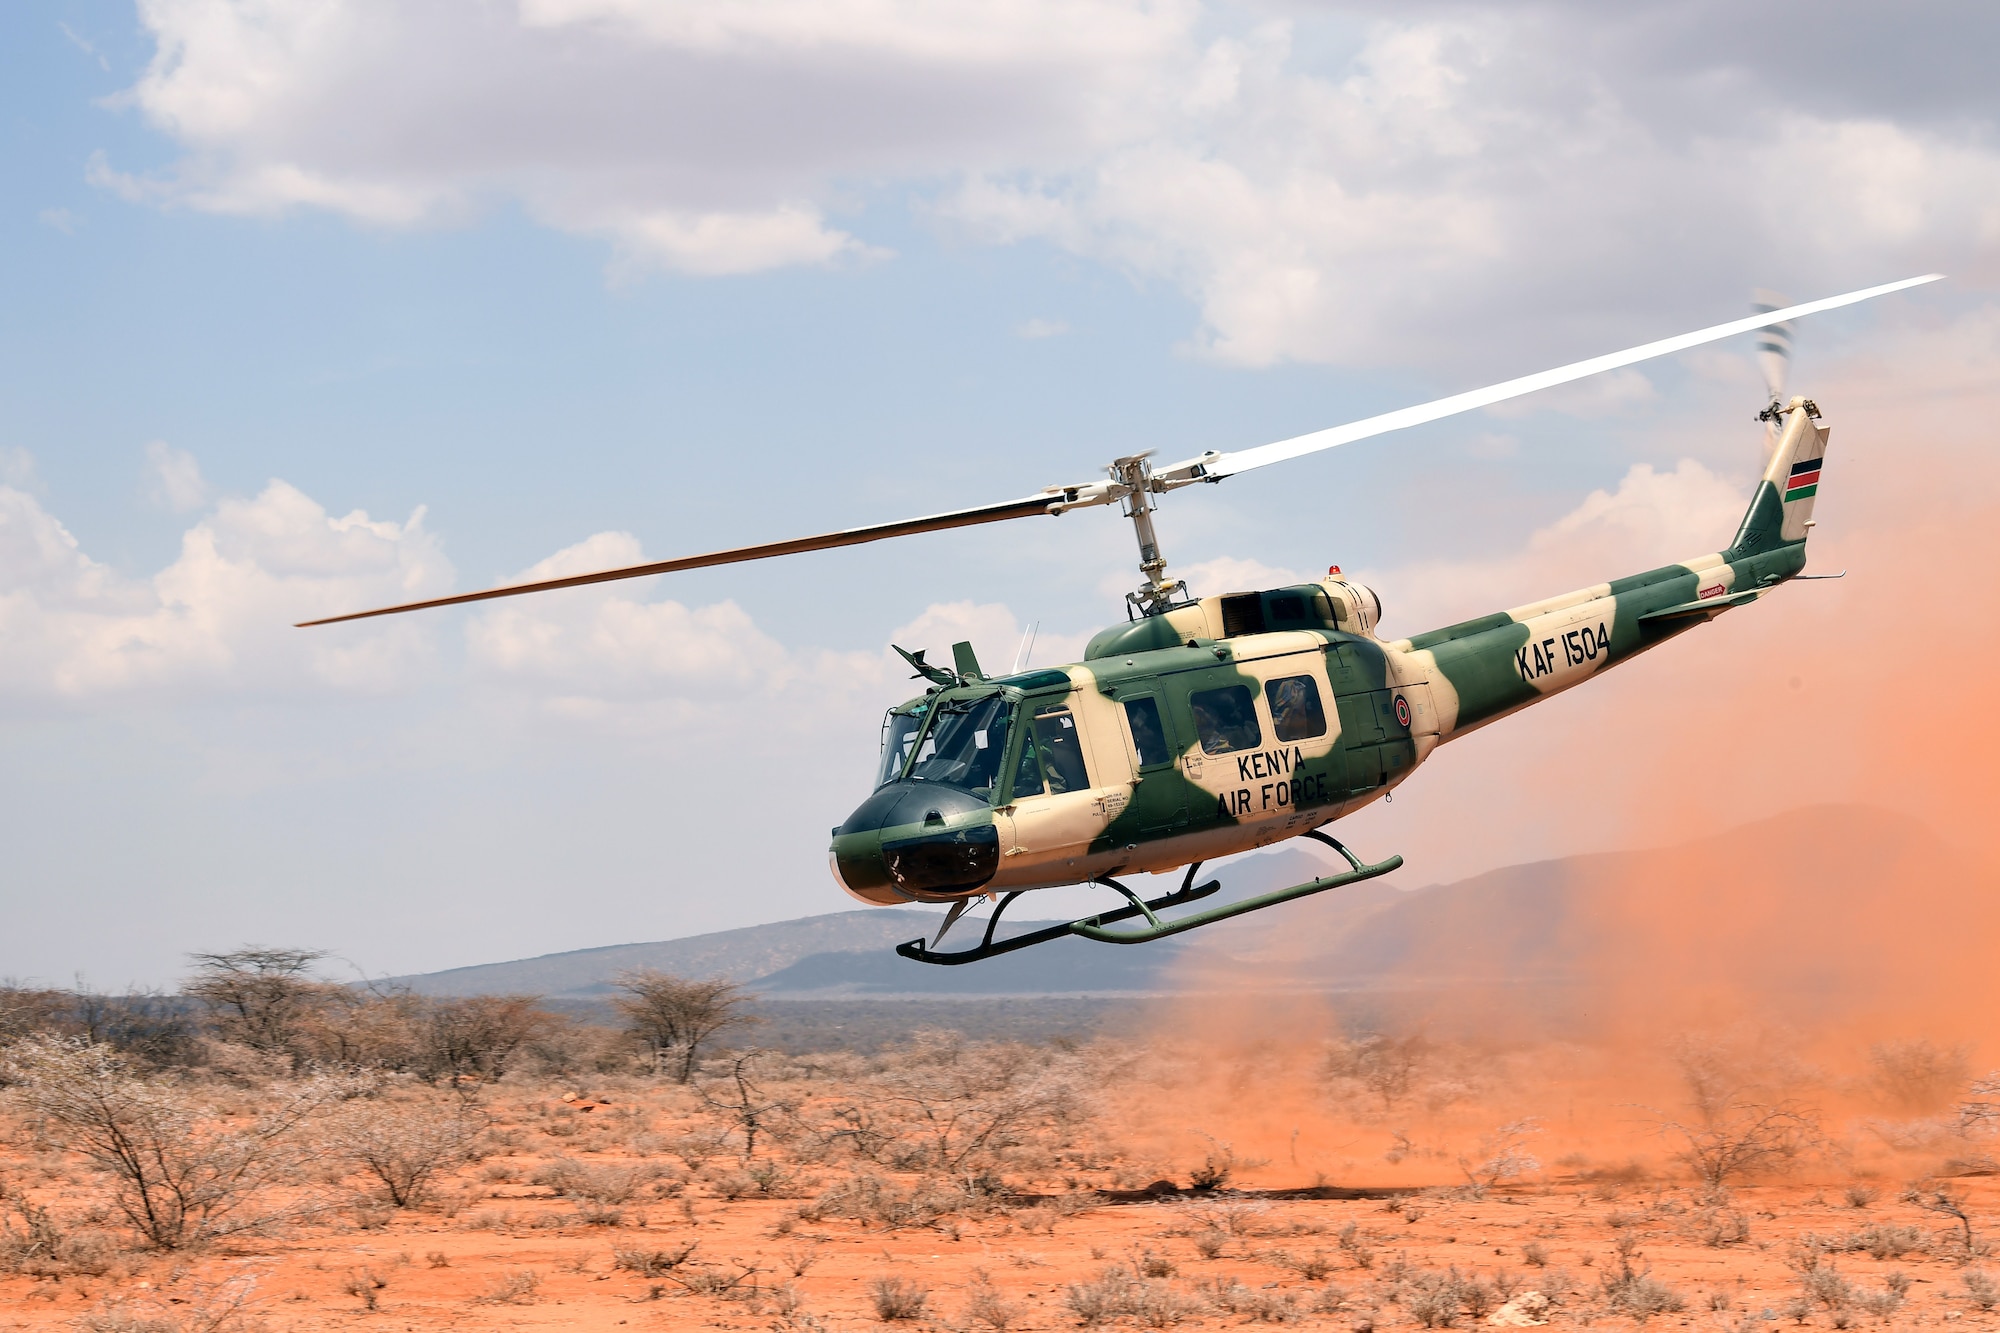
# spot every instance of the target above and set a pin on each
(1804, 481)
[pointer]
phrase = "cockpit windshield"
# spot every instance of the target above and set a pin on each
(899, 734)
(965, 745)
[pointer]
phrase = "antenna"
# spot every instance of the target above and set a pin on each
(1026, 649)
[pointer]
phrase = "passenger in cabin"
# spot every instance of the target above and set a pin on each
(1147, 738)
(1225, 719)
(1296, 714)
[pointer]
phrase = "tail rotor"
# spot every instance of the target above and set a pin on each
(1774, 358)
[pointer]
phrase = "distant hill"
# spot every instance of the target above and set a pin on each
(1818, 876)
(852, 953)
(741, 955)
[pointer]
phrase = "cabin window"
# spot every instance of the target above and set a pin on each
(899, 736)
(965, 745)
(1060, 748)
(1296, 714)
(1225, 719)
(1027, 772)
(1149, 735)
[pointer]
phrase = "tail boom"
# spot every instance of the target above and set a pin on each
(1482, 670)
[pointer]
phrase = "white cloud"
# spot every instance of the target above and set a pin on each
(1653, 518)
(62, 219)
(1227, 574)
(1032, 329)
(176, 477)
(218, 619)
(17, 467)
(1358, 185)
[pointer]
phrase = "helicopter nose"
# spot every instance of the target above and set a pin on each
(911, 842)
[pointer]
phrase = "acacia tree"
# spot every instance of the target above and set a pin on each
(676, 1016)
(260, 998)
(472, 1037)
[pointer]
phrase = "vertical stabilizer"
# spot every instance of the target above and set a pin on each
(1781, 511)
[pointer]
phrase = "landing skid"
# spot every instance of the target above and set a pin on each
(1094, 927)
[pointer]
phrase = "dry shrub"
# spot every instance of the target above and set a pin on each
(1979, 1113)
(1118, 1292)
(1720, 1227)
(876, 1201)
(942, 1103)
(1917, 1077)
(711, 1280)
(402, 1148)
(896, 1299)
(1502, 1155)
(1385, 1067)
(1257, 1306)
(1743, 1138)
(985, 1305)
(366, 1286)
(602, 1184)
(178, 1177)
(652, 1263)
(1958, 1241)
(515, 1287)
(227, 1306)
(1981, 1289)
(34, 1244)
(1437, 1300)
(1636, 1292)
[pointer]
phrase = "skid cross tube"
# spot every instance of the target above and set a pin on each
(1188, 892)
(1092, 928)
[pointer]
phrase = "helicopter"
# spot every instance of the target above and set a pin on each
(1201, 727)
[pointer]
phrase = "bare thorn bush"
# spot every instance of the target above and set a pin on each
(1502, 1155)
(402, 1148)
(1958, 1241)
(177, 1176)
(1917, 1077)
(1738, 1139)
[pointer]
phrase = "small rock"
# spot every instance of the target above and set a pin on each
(1524, 1311)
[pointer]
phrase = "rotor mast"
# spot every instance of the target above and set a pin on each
(1157, 593)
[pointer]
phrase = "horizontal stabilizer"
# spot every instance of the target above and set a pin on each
(1701, 610)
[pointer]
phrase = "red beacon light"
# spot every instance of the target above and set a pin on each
(1333, 571)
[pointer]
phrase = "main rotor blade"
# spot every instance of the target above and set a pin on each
(1215, 467)
(957, 518)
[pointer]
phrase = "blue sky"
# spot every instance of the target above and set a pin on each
(265, 266)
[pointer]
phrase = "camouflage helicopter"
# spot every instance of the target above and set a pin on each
(1202, 727)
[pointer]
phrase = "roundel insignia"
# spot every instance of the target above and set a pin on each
(1402, 711)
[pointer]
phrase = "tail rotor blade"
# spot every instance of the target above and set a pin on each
(1774, 345)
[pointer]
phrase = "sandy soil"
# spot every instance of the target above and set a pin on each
(497, 1251)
